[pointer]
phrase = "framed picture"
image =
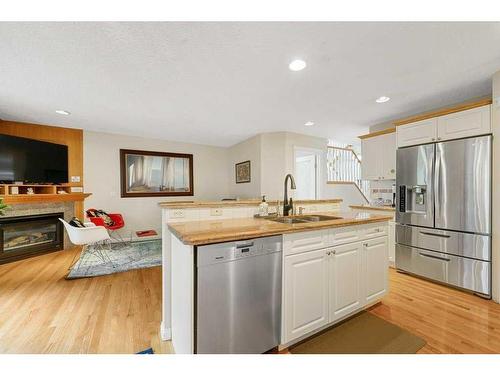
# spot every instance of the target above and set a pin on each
(155, 174)
(243, 172)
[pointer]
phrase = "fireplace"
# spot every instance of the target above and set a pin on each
(27, 236)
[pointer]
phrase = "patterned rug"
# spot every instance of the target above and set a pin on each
(134, 255)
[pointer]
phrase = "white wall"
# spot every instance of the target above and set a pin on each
(102, 176)
(273, 164)
(243, 151)
(495, 124)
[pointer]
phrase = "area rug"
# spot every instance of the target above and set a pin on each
(136, 254)
(147, 351)
(365, 333)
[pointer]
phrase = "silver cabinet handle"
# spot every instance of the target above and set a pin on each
(434, 257)
(435, 234)
(334, 252)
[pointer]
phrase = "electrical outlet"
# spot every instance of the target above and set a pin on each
(178, 214)
(216, 212)
(75, 178)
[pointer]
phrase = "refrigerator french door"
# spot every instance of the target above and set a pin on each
(443, 193)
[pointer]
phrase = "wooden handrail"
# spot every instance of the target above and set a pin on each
(346, 149)
(349, 183)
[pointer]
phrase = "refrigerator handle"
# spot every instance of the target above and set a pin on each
(437, 183)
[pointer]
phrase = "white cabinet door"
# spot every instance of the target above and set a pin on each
(387, 153)
(345, 280)
(375, 268)
(419, 132)
(371, 163)
(379, 157)
(476, 121)
(305, 293)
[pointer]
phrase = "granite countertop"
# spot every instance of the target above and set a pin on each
(244, 202)
(370, 207)
(213, 231)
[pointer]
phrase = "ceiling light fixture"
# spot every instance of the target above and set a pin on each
(62, 112)
(382, 99)
(309, 123)
(297, 65)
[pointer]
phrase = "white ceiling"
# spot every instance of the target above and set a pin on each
(220, 83)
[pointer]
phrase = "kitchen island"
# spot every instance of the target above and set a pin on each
(331, 269)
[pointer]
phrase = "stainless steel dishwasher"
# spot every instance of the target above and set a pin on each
(238, 296)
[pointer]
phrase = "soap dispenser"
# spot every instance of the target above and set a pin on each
(263, 207)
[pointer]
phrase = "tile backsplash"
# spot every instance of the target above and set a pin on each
(381, 190)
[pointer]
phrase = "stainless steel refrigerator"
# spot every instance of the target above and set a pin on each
(443, 212)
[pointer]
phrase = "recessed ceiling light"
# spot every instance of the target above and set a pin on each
(297, 65)
(309, 123)
(62, 112)
(383, 99)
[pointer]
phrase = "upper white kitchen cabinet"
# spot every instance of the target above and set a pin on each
(476, 121)
(460, 124)
(417, 133)
(379, 157)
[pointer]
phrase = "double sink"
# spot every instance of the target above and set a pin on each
(303, 219)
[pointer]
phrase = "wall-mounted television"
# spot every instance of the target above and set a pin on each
(31, 161)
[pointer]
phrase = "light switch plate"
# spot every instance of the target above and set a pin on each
(178, 214)
(216, 212)
(76, 189)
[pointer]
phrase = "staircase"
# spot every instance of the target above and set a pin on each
(344, 167)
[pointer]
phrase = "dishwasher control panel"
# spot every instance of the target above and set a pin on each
(230, 251)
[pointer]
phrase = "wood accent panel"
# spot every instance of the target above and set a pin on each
(377, 133)
(445, 111)
(41, 312)
(73, 138)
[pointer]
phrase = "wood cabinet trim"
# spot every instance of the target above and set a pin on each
(378, 133)
(444, 111)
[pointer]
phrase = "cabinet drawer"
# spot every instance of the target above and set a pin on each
(340, 236)
(300, 242)
(374, 230)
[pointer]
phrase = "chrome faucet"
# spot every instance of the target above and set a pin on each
(288, 204)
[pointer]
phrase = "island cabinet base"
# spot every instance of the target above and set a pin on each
(330, 275)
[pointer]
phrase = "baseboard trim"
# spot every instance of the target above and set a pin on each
(165, 332)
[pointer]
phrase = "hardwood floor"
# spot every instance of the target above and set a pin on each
(41, 312)
(451, 321)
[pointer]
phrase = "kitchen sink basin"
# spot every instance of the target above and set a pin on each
(319, 217)
(303, 219)
(288, 220)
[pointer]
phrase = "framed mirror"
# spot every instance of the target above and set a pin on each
(152, 174)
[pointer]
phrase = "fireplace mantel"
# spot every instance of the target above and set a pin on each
(43, 198)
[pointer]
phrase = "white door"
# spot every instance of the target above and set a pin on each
(417, 133)
(375, 268)
(305, 293)
(345, 280)
(306, 176)
(468, 123)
